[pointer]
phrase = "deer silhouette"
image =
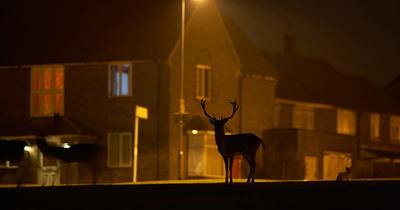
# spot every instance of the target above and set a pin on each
(81, 152)
(345, 175)
(13, 151)
(245, 144)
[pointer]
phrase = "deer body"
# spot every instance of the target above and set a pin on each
(245, 144)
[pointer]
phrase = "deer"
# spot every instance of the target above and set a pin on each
(81, 152)
(14, 151)
(245, 144)
(345, 175)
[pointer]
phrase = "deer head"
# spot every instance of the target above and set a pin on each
(218, 123)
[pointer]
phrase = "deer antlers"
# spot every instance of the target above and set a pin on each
(235, 107)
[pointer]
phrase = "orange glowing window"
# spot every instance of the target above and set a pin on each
(303, 117)
(47, 90)
(375, 124)
(59, 78)
(395, 129)
(346, 122)
(311, 168)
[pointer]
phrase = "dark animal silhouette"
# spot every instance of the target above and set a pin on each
(344, 176)
(13, 150)
(82, 152)
(245, 144)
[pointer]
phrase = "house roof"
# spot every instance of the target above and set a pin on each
(45, 126)
(252, 60)
(393, 88)
(81, 31)
(312, 80)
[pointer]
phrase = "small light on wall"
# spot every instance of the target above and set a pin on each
(194, 132)
(66, 145)
(28, 148)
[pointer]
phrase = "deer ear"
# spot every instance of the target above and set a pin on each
(211, 121)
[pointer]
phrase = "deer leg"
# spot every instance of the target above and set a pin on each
(247, 158)
(226, 169)
(230, 167)
(254, 171)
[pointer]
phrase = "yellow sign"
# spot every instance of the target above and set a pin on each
(141, 112)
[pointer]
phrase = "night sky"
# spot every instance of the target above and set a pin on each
(357, 37)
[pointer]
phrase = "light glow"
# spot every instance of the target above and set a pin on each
(66, 145)
(194, 132)
(28, 148)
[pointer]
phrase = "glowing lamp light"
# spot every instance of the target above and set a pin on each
(66, 145)
(194, 132)
(27, 148)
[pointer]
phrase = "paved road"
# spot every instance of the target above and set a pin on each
(366, 194)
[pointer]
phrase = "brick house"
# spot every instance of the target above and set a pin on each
(326, 121)
(114, 79)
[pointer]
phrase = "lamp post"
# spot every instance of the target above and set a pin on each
(182, 111)
(181, 95)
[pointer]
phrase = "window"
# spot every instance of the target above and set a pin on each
(311, 168)
(375, 123)
(120, 79)
(47, 90)
(395, 128)
(346, 122)
(203, 82)
(334, 163)
(119, 150)
(303, 117)
(204, 159)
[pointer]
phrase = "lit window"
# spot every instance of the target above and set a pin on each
(47, 90)
(346, 122)
(311, 168)
(375, 123)
(204, 158)
(120, 79)
(395, 128)
(303, 117)
(203, 82)
(334, 163)
(119, 150)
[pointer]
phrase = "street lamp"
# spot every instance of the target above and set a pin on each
(182, 112)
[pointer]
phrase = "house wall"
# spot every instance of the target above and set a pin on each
(206, 43)
(14, 97)
(256, 107)
(87, 103)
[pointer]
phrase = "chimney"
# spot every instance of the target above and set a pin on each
(289, 41)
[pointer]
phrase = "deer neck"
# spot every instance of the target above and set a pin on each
(220, 137)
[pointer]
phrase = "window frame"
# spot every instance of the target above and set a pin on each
(204, 145)
(300, 111)
(395, 123)
(120, 146)
(340, 113)
(53, 91)
(308, 159)
(110, 82)
(201, 91)
(375, 120)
